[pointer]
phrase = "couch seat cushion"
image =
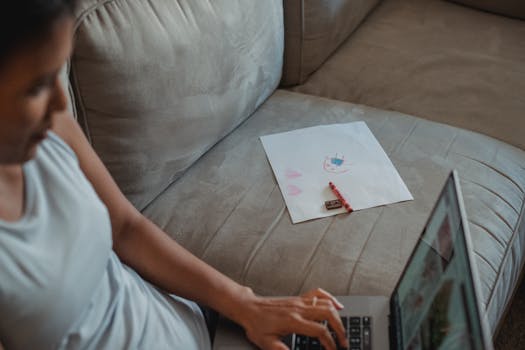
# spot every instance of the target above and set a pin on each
(228, 210)
(437, 60)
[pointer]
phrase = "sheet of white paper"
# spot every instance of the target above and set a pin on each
(304, 161)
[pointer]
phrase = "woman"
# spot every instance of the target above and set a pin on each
(80, 267)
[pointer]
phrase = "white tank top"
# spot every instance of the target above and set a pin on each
(61, 284)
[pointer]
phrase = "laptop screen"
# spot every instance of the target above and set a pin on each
(434, 304)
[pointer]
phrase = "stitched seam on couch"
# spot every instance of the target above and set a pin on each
(301, 40)
(508, 303)
(89, 10)
(80, 109)
(519, 224)
(70, 90)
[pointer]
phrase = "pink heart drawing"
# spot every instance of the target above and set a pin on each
(294, 190)
(292, 174)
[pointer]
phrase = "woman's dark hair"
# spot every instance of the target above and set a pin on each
(25, 21)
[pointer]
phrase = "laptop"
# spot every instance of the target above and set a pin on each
(435, 305)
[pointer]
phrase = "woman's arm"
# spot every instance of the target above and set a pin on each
(159, 259)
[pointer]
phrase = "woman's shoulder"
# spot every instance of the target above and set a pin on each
(59, 138)
(56, 142)
(54, 153)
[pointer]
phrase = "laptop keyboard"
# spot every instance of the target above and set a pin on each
(358, 331)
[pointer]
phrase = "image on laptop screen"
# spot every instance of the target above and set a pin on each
(435, 304)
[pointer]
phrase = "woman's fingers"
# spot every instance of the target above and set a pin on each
(323, 310)
(323, 294)
(319, 331)
(313, 314)
(273, 343)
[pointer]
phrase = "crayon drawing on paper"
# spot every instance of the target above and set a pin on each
(304, 161)
(336, 164)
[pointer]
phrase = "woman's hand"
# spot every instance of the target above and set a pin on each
(267, 320)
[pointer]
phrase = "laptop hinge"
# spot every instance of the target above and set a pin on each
(394, 323)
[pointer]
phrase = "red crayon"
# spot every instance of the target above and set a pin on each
(340, 197)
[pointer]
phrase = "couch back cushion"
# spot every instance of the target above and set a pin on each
(157, 83)
(314, 29)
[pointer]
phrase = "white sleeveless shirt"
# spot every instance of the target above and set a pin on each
(61, 284)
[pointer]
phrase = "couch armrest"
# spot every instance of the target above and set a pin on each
(510, 8)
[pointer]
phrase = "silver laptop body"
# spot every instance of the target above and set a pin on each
(435, 305)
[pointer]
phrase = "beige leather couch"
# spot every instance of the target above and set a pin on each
(174, 94)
